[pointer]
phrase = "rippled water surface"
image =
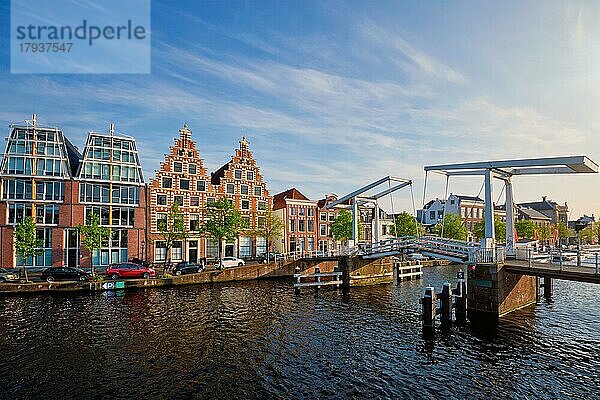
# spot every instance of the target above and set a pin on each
(259, 340)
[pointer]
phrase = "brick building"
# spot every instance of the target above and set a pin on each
(325, 240)
(44, 176)
(183, 179)
(240, 181)
(299, 215)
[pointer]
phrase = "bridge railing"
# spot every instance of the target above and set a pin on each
(487, 255)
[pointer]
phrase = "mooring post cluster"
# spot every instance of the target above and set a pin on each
(449, 299)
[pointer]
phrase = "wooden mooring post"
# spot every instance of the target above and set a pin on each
(449, 299)
(317, 282)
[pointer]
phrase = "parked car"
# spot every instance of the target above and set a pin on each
(262, 258)
(6, 276)
(129, 270)
(187, 267)
(229, 262)
(65, 274)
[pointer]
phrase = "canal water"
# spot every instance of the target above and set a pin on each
(257, 340)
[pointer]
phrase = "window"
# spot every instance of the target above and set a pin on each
(177, 166)
(201, 186)
(194, 222)
(244, 189)
(292, 225)
(261, 245)
(292, 243)
(177, 250)
(301, 224)
(126, 194)
(161, 199)
(44, 259)
(238, 174)
(431, 214)
(160, 251)
(47, 214)
(323, 216)
(311, 212)
(260, 222)
(210, 200)
(311, 244)
(178, 200)
(19, 190)
(292, 210)
(440, 213)
(323, 229)
(250, 175)
(192, 169)
(167, 183)
(262, 206)
(311, 225)
(194, 201)
(245, 246)
(184, 184)
(245, 205)
(101, 211)
(300, 210)
(161, 221)
(230, 188)
(257, 191)
(332, 217)
(122, 216)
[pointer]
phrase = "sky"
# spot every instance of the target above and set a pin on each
(333, 95)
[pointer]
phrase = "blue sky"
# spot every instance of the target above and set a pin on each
(335, 94)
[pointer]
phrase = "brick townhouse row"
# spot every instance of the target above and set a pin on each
(46, 177)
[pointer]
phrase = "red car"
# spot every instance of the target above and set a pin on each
(129, 270)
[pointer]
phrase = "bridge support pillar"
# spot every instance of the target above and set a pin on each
(548, 287)
(344, 265)
(493, 291)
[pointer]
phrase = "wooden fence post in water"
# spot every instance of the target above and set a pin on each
(547, 287)
(446, 303)
(428, 309)
(461, 299)
(317, 277)
(297, 273)
(344, 264)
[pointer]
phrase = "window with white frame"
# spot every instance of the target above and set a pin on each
(160, 251)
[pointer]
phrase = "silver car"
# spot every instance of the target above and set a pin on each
(6, 276)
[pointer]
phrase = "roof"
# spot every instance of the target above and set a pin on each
(73, 155)
(215, 177)
(293, 193)
(468, 198)
(533, 214)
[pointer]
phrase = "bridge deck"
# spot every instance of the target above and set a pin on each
(567, 272)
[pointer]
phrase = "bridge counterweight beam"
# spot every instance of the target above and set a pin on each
(490, 237)
(510, 219)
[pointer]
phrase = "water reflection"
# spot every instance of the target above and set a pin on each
(259, 340)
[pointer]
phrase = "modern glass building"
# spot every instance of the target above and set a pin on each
(36, 171)
(111, 185)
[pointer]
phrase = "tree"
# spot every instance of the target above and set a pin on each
(27, 244)
(563, 231)
(596, 231)
(453, 228)
(172, 228)
(341, 227)
(269, 227)
(405, 225)
(499, 229)
(525, 228)
(223, 222)
(545, 233)
(93, 235)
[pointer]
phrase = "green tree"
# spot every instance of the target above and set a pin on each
(453, 228)
(405, 225)
(525, 228)
(499, 229)
(27, 244)
(545, 233)
(93, 236)
(269, 227)
(341, 227)
(563, 231)
(172, 227)
(223, 222)
(596, 231)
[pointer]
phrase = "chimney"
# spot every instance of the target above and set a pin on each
(543, 198)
